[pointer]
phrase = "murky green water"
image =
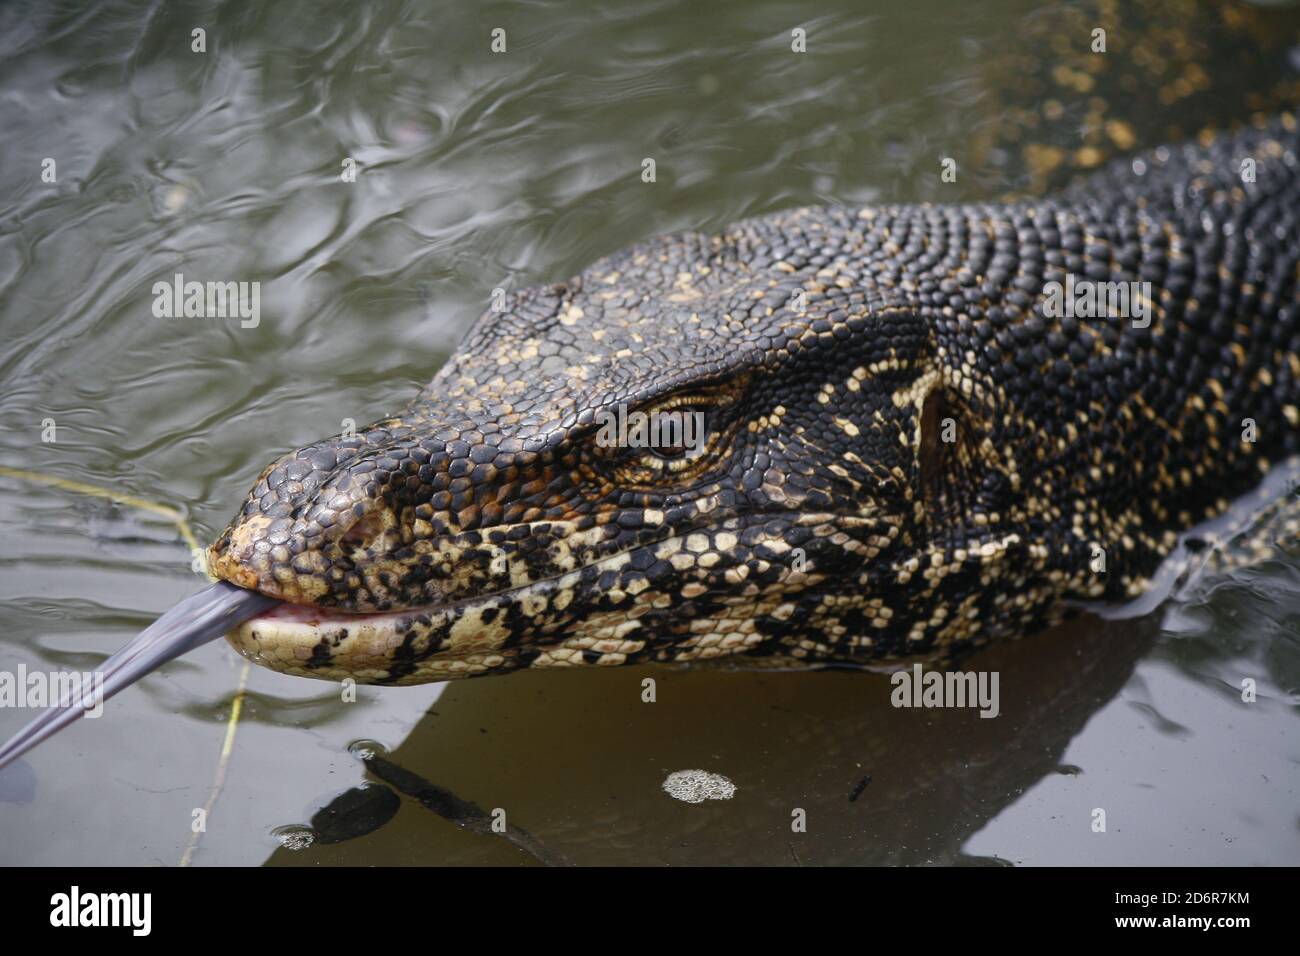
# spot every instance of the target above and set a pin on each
(479, 170)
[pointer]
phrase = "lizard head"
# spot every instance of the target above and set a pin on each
(697, 448)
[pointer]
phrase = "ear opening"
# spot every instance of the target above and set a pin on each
(951, 456)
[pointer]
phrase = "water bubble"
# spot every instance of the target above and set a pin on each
(365, 749)
(696, 786)
(295, 836)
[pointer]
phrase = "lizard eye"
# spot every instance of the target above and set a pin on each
(670, 452)
(670, 441)
(673, 440)
(679, 433)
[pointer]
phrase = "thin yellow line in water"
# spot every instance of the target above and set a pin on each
(80, 487)
(227, 748)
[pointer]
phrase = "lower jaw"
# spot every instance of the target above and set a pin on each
(376, 648)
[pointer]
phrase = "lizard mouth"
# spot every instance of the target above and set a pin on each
(456, 639)
(603, 613)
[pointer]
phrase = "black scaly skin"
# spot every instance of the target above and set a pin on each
(497, 534)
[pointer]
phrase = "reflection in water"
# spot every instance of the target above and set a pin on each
(578, 760)
(354, 813)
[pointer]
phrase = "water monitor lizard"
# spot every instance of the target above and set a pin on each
(904, 452)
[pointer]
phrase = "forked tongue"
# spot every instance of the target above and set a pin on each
(198, 619)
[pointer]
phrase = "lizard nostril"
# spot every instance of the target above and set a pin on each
(363, 533)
